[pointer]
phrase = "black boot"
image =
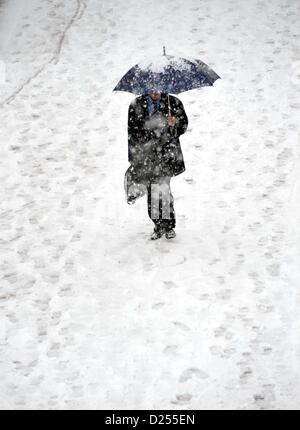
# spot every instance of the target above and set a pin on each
(170, 233)
(157, 233)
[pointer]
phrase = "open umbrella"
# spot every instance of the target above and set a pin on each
(167, 74)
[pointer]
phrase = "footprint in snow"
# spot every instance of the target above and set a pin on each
(158, 305)
(170, 284)
(192, 371)
(171, 349)
(181, 326)
(182, 399)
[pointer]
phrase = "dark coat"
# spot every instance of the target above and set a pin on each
(153, 146)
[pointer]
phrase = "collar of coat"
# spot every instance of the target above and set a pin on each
(163, 105)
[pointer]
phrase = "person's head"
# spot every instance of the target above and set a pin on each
(155, 96)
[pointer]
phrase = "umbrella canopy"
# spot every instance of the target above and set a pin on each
(167, 74)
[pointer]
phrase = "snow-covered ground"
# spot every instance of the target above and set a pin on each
(93, 313)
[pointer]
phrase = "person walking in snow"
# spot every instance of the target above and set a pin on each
(155, 122)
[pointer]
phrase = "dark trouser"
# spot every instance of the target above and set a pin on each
(161, 203)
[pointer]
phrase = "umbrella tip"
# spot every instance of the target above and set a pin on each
(164, 50)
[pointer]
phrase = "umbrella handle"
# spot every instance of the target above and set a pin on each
(169, 108)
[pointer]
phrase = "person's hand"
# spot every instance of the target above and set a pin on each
(171, 121)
